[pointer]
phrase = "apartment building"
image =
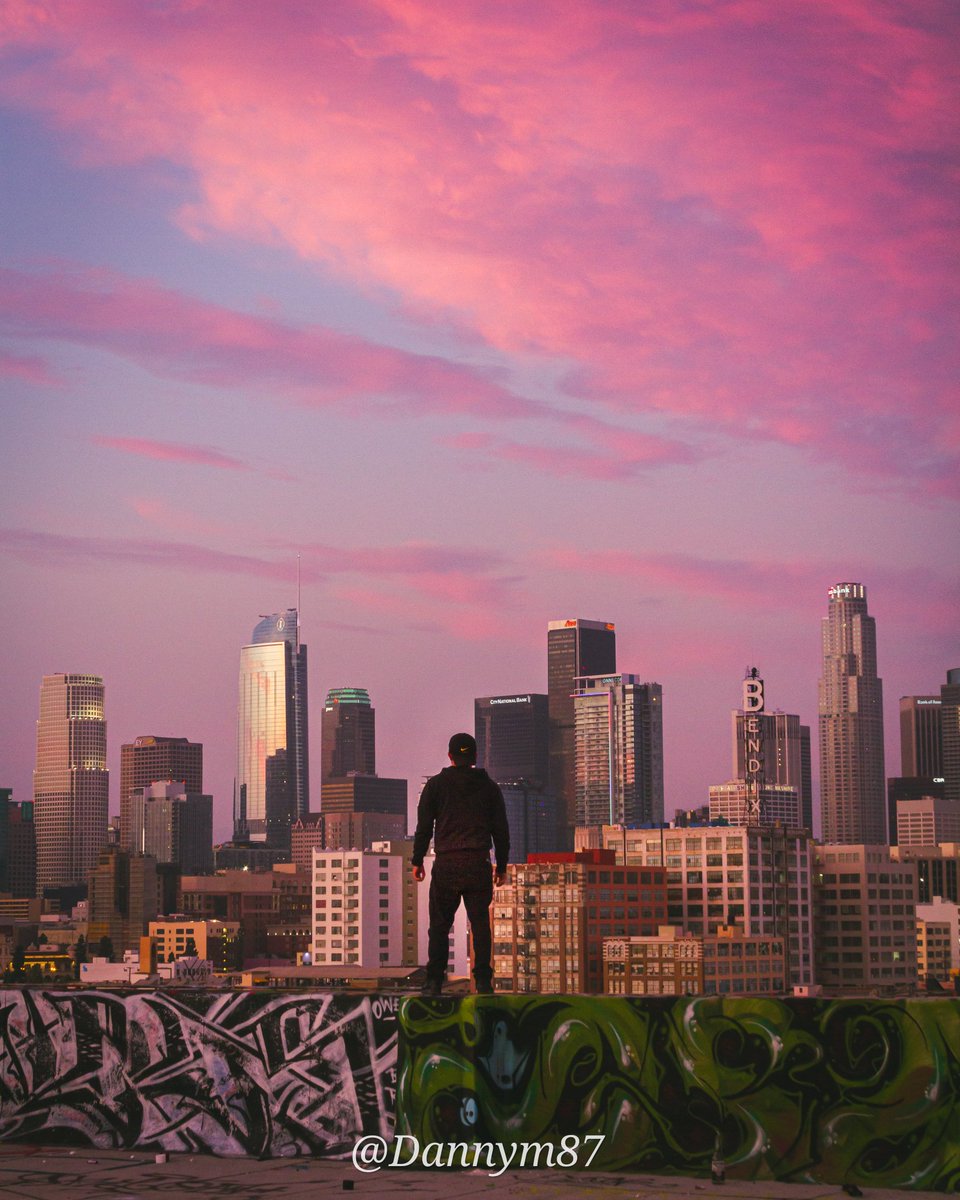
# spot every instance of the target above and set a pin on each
(716, 875)
(551, 916)
(865, 906)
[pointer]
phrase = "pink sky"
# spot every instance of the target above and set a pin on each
(495, 314)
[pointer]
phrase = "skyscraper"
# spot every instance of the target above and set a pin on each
(149, 759)
(619, 750)
(575, 648)
(513, 737)
(70, 783)
(272, 787)
(851, 723)
(950, 734)
(348, 737)
(920, 741)
(173, 826)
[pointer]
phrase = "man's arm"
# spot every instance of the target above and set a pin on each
(426, 814)
(500, 832)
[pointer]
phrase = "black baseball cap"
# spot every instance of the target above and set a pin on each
(463, 749)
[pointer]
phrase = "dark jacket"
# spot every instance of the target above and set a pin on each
(462, 809)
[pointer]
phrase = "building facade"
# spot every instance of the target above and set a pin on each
(358, 908)
(151, 759)
(927, 821)
(784, 754)
(551, 916)
(865, 907)
(921, 752)
(575, 647)
(938, 943)
(513, 738)
(272, 787)
(123, 898)
(851, 722)
(348, 733)
(173, 826)
(735, 802)
(759, 877)
(950, 734)
(70, 782)
(364, 794)
(618, 726)
(728, 962)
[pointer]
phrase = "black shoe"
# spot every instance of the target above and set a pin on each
(433, 987)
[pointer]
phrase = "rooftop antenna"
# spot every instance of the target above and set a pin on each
(298, 600)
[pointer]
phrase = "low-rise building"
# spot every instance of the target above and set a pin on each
(551, 916)
(938, 942)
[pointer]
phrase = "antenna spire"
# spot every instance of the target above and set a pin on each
(298, 599)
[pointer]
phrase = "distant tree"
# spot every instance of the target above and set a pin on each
(35, 973)
(41, 940)
(105, 948)
(16, 964)
(190, 948)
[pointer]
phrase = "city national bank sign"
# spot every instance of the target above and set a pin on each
(510, 700)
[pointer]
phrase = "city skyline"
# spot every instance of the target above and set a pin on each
(466, 323)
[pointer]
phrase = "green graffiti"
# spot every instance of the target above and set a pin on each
(856, 1092)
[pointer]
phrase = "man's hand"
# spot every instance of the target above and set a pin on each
(499, 878)
(419, 874)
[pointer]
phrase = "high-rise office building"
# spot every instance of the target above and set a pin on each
(851, 723)
(272, 787)
(772, 748)
(348, 734)
(70, 782)
(920, 737)
(364, 794)
(950, 734)
(18, 847)
(123, 898)
(513, 737)
(619, 750)
(575, 648)
(173, 826)
(150, 759)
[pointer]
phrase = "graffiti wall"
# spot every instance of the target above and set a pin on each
(864, 1093)
(227, 1073)
(853, 1092)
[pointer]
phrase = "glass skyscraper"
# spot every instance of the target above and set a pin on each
(619, 749)
(272, 787)
(70, 783)
(852, 794)
(575, 647)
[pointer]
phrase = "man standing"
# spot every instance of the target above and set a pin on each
(462, 809)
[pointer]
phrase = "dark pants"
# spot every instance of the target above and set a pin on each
(468, 876)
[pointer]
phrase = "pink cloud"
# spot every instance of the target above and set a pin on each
(445, 573)
(179, 336)
(923, 598)
(29, 369)
(204, 456)
(735, 214)
(623, 453)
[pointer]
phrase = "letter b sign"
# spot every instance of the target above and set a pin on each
(753, 695)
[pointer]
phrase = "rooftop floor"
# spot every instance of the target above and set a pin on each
(30, 1172)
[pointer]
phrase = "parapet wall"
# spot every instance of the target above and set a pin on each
(857, 1092)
